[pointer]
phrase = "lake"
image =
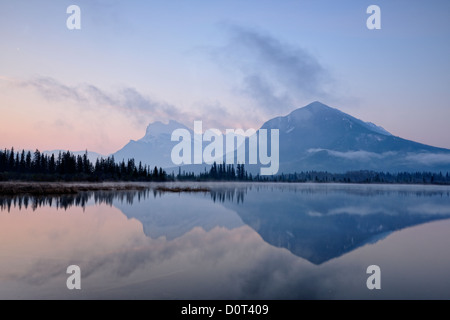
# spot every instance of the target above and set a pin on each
(232, 241)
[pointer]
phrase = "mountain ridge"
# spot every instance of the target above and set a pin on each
(314, 137)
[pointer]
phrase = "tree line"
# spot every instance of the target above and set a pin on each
(221, 172)
(362, 176)
(69, 167)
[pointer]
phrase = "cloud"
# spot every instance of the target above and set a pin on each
(430, 208)
(52, 89)
(263, 93)
(429, 158)
(273, 73)
(127, 100)
(359, 155)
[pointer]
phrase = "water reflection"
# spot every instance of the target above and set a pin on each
(83, 198)
(322, 222)
(236, 241)
(67, 201)
(315, 222)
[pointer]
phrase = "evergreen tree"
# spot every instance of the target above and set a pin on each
(11, 159)
(28, 162)
(37, 161)
(22, 161)
(52, 165)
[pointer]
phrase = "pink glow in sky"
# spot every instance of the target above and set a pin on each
(229, 64)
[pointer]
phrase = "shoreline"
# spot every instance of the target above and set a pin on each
(38, 188)
(61, 188)
(11, 188)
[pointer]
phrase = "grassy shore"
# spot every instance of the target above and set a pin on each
(45, 188)
(182, 189)
(60, 188)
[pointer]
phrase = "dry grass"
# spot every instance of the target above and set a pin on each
(182, 189)
(46, 188)
(61, 188)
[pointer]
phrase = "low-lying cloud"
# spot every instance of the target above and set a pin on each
(429, 158)
(359, 155)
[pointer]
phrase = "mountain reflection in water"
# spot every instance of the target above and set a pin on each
(312, 221)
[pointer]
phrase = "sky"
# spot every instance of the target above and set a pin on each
(232, 64)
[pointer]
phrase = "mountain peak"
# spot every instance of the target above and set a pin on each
(158, 128)
(315, 137)
(320, 112)
(317, 105)
(155, 147)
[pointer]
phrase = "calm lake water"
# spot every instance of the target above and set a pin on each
(238, 241)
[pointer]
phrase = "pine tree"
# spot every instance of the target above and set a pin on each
(11, 160)
(52, 165)
(22, 161)
(79, 167)
(17, 162)
(37, 161)
(86, 163)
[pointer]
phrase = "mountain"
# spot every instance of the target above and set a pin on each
(315, 137)
(155, 147)
(318, 137)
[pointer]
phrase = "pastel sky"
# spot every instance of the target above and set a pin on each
(231, 64)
